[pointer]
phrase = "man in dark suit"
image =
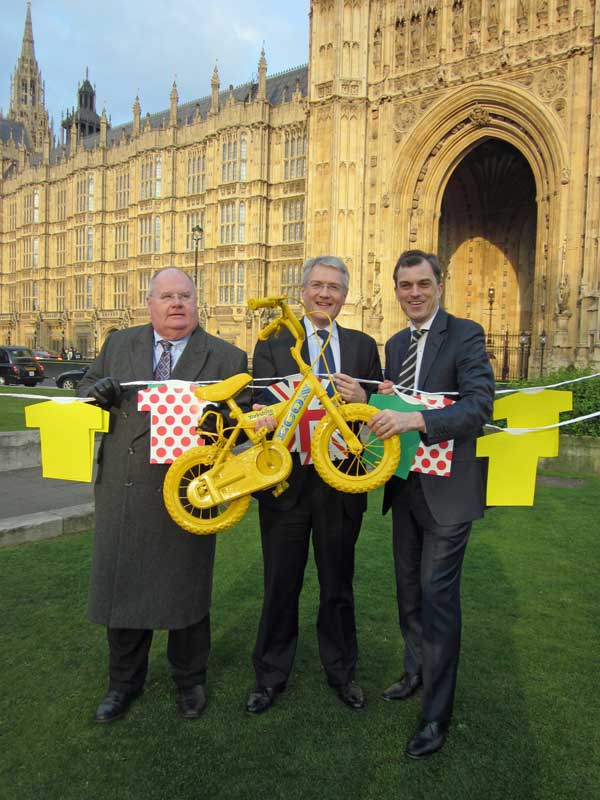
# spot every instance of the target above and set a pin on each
(310, 504)
(432, 515)
(148, 573)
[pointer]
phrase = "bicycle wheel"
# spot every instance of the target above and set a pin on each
(187, 468)
(364, 472)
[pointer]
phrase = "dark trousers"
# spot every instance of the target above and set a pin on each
(428, 558)
(285, 544)
(187, 651)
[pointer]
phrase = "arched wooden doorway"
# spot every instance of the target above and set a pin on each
(487, 237)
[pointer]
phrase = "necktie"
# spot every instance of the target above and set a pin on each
(326, 358)
(163, 368)
(408, 370)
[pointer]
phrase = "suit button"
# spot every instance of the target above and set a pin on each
(129, 484)
(130, 450)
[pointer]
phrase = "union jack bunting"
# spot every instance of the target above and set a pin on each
(300, 442)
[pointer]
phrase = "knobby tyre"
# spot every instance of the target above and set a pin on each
(363, 473)
(180, 474)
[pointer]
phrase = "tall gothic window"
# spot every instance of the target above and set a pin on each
(234, 158)
(294, 155)
(231, 284)
(61, 204)
(193, 219)
(291, 277)
(149, 234)
(293, 220)
(151, 177)
(61, 249)
(121, 240)
(120, 291)
(60, 295)
(196, 172)
(143, 284)
(122, 189)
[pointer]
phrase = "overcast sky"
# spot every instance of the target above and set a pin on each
(139, 46)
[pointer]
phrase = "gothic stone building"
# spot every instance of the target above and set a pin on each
(466, 127)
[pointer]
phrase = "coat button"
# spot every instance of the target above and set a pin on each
(128, 484)
(130, 450)
(124, 414)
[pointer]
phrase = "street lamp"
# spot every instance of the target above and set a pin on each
(197, 234)
(524, 344)
(491, 297)
(542, 348)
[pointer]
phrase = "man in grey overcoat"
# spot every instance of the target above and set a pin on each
(147, 573)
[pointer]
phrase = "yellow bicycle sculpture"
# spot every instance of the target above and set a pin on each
(207, 489)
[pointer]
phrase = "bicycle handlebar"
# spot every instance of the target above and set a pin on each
(265, 302)
(287, 318)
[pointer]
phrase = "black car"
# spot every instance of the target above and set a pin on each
(70, 379)
(18, 365)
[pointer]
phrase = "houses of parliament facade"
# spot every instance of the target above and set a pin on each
(470, 128)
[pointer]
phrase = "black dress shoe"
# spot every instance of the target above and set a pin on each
(352, 695)
(261, 699)
(192, 701)
(404, 688)
(428, 739)
(114, 705)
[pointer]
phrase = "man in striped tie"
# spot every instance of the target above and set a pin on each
(432, 515)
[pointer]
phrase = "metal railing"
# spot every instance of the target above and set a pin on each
(509, 354)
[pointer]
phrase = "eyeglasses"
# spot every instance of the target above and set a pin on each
(319, 286)
(169, 297)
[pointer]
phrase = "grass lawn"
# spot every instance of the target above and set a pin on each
(526, 716)
(12, 417)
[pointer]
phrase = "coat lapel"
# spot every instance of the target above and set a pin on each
(141, 355)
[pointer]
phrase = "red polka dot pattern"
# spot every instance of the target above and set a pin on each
(435, 459)
(175, 411)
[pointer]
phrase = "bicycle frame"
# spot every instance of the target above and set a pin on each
(214, 499)
(287, 413)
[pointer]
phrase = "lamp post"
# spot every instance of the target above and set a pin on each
(524, 343)
(197, 234)
(491, 297)
(542, 348)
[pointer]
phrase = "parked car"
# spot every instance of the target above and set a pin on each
(18, 365)
(70, 379)
(45, 354)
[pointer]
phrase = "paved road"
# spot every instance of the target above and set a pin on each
(24, 491)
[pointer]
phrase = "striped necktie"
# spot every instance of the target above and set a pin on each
(408, 370)
(326, 358)
(163, 368)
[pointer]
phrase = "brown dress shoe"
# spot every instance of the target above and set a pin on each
(404, 688)
(192, 701)
(429, 738)
(352, 695)
(114, 705)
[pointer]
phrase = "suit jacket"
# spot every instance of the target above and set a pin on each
(454, 360)
(359, 358)
(146, 571)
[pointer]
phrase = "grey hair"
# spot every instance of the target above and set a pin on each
(326, 261)
(159, 272)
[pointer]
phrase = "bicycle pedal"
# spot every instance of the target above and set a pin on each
(280, 488)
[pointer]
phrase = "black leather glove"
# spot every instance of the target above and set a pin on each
(105, 392)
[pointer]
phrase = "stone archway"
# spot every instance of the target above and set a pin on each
(487, 237)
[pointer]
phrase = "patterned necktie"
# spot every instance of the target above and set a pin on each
(326, 358)
(408, 370)
(163, 368)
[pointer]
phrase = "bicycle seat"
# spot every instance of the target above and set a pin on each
(225, 389)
